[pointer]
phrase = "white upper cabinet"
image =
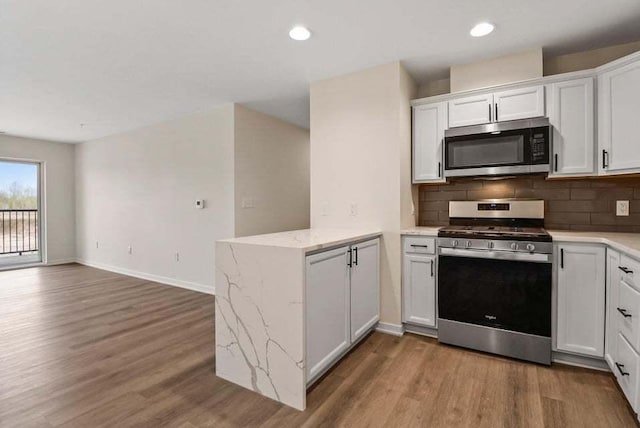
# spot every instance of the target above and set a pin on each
(365, 287)
(581, 299)
(522, 103)
(618, 114)
(429, 123)
(474, 110)
(572, 114)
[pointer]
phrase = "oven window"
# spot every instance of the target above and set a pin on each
(503, 294)
(493, 151)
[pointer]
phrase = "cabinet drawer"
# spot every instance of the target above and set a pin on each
(627, 365)
(630, 271)
(627, 313)
(419, 244)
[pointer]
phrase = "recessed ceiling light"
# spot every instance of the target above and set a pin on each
(481, 29)
(299, 33)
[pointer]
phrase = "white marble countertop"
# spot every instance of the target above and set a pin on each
(307, 239)
(421, 230)
(628, 243)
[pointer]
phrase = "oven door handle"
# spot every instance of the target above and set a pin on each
(497, 255)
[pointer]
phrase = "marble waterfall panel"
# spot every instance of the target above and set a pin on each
(260, 320)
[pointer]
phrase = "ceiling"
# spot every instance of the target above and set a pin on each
(77, 70)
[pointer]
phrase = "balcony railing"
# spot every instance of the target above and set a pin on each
(19, 231)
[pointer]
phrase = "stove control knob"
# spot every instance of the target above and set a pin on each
(454, 243)
(468, 244)
(531, 247)
(514, 246)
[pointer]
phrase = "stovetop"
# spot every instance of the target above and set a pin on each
(496, 232)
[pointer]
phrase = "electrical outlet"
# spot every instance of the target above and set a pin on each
(324, 208)
(129, 249)
(353, 210)
(200, 204)
(247, 203)
(177, 255)
(622, 208)
(97, 244)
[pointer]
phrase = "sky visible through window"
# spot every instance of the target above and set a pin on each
(18, 185)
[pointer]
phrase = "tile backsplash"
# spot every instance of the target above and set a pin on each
(576, 204)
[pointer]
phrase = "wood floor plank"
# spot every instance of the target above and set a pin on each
(82, 347)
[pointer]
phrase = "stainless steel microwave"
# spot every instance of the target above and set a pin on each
(502, 148)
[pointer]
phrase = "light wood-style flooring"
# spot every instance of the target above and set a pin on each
(81, 347)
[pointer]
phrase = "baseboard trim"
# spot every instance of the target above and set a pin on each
(392, 329)
(60, 262)
(421, 330)
(579, 361)
(201, 288)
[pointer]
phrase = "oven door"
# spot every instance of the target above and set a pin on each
(511, 295)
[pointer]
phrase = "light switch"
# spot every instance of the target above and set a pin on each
(247, 203)
(622, 208)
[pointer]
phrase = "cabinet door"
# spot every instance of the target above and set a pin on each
(365, 287)
(571, 112)
(429, 123)
(473, 110)
(581, 299)
(327, 309)
(613, 282)
(419, 289)
(618, 113)
(520, 103)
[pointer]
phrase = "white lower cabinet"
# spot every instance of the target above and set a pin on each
(419, 281)
(626, 368)
(342, 302)
(613, 278)
(365, 288)
(580, 299)
(623, 328)
(327, 309)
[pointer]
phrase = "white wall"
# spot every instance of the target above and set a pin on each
(59, 200)
(139, 189)
(360, 154)
(272, 171)
(497, 71)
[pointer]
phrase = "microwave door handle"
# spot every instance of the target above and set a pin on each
(496, 118)
(490, 113)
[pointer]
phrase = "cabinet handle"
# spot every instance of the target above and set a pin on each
(490, 113)
(605, 159)
(419, 246)
(355, 259)
(562, 258)
(620, 369)
(496, 119)
(555, 161)
(350, 259)
(625, 269)
(624, 313)
(439, 169)
(432, 267)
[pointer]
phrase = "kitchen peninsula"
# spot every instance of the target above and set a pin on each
(290, 304)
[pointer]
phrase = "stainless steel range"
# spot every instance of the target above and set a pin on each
(494, 282)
